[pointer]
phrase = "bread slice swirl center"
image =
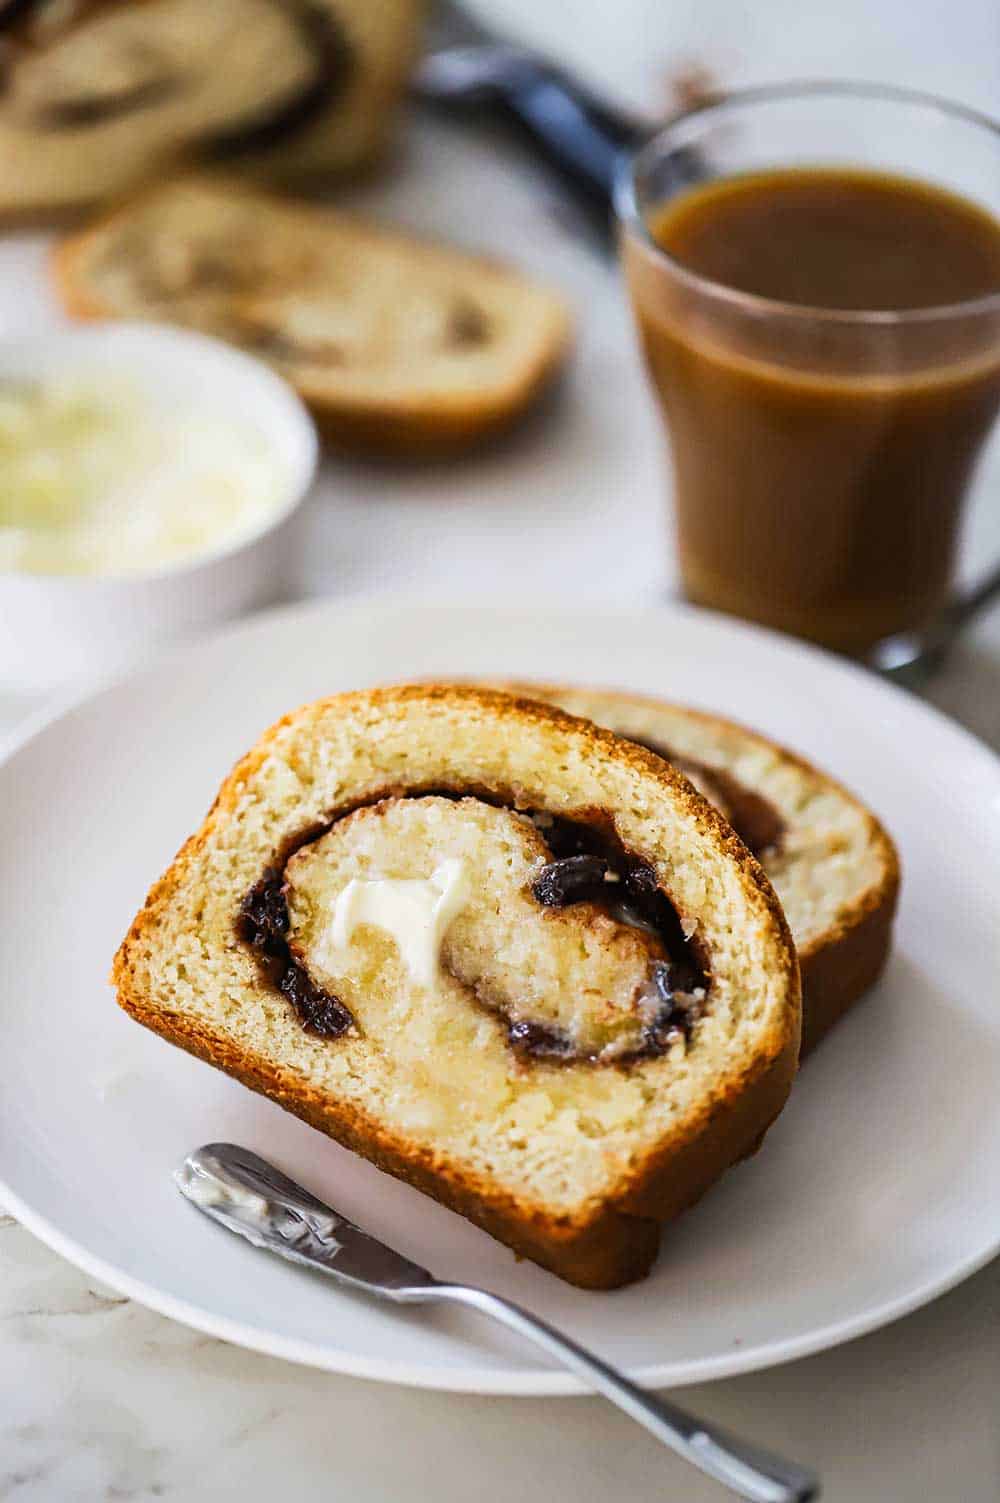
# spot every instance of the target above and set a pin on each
(548, 936)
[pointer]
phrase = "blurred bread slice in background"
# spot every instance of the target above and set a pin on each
(100, 95)
(397, 345)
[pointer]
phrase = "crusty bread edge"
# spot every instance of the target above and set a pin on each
(840, 965)
(404, 427)
(616, 1241)
(614, 1247)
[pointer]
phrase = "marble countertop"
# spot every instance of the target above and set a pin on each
(103, 1399)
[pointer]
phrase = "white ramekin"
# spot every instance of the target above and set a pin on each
(55, 629)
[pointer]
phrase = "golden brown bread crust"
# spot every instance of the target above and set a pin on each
(840, 968)
(599, 1250)
(417, 434)
(77, 299)
(401, 425)
(840, 965)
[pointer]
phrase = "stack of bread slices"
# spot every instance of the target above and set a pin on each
(547, 973)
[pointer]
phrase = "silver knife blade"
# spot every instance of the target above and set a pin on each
(247, 1195)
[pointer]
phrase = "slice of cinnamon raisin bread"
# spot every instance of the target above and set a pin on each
(511, 958)
(832, 863)
(396, 344)
(100, 97)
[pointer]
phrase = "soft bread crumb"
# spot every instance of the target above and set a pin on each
(574, 969)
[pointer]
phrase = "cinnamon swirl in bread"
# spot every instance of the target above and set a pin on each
(831, 862)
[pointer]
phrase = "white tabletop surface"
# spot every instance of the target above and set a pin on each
(104, 1400)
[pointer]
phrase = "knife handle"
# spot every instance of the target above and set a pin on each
(582, 138)
(745, 1469)
(579, 136)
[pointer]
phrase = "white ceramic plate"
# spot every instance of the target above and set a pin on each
(877, 1189)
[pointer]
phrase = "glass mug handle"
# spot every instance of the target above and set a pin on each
(908, 657)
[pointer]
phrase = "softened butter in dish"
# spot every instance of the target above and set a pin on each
(151, 486)
(96, 477)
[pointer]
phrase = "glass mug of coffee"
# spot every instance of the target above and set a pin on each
(815, 273)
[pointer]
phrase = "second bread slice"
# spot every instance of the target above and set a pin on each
(396, 344)
(832, 863)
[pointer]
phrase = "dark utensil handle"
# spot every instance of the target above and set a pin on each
(579, 136)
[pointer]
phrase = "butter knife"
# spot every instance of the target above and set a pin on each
(249, 1196)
